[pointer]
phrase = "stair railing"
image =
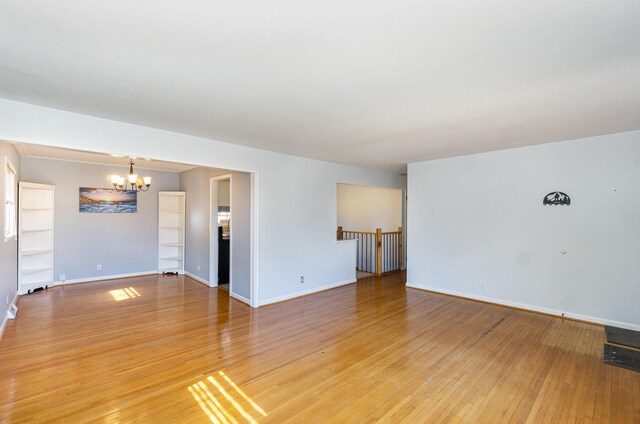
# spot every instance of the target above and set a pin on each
(377, 252)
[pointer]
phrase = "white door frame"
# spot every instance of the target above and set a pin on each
(213, 237)
(213, 229)
(404, 228)
(253, 293)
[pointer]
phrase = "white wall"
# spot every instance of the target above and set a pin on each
(224, 193)
(8, 249)
(480, 218)
(120, 243)
(241, 235)
(296, 203)
(362, 208)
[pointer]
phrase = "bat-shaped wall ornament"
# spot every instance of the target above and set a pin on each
(556, 198)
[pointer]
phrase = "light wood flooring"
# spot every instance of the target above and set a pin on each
(159, 349)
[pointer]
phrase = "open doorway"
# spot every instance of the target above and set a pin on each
(220, 227)
(230, 234)
(374, 217)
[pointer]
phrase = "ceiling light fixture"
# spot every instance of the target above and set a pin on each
(131, 181)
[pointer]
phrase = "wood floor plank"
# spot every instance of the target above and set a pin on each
(168, 349)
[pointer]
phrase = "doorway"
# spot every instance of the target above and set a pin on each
(375, 218)
(230, 234)
(221, 231)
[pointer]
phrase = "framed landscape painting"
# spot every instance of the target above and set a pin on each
(108, 200)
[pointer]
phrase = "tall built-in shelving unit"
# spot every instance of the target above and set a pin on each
(35, 236)
(171, 219)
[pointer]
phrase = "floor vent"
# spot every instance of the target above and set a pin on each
(12, 312)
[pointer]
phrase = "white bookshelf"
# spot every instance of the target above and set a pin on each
(35, 236)
(171, 219)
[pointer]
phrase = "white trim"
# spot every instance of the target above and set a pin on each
(8, 165)
(186, 167)
(255, 252)
(195, 277)
(231, 233)
(240, 298)
(404, 227)
(213, 229)
(3, 326)
(104, 277)
(306, 292)
(554, 312)
(37, 186)
(213, 241)
(222, 177)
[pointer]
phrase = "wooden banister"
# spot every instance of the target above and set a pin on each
(340, 233)
(379, 251)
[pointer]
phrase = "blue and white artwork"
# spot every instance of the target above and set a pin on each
(108, 200)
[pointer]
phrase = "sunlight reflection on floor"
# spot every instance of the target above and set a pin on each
(224, 402)
(124, 294)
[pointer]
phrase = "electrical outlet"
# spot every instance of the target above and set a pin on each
(198, 267)
(301, 280)
(62, 277)
(482, 285)
(99, 267)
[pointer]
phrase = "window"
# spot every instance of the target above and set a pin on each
(9, 201)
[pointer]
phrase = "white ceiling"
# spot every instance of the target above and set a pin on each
(37, 151)
(374, 84)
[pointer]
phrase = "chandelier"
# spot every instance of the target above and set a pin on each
(131, 181)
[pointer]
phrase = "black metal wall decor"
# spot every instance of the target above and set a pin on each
(556, 198)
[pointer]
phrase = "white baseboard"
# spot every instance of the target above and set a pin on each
(240, 298)
(26, 291)
(4, 325)
(533, 308)
(6, 316)
(104, 277)
(198, 279)
(306, 292)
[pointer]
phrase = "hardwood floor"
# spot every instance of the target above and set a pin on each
(168, 349)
